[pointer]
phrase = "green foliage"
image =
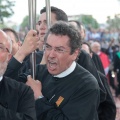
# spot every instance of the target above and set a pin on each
(88, 20)
(6, 9)
(25, 22)
(2, 26)
(114, 23)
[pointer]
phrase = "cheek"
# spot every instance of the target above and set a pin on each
(2, 58)
(45, 55)
(64, 61)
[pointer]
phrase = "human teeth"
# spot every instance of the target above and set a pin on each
(51, 64)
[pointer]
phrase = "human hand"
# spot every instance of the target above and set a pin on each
(35, 85)
(30, 44)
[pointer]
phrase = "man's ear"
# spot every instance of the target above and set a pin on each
(19, 43)
(75, 54)
(9, 57)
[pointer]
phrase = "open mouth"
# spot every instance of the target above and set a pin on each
(42, 34)
(52, 65)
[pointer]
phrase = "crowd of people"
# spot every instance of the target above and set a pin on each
(76, 73)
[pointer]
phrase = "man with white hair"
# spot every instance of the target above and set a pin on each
(16, 99)
(96, 47)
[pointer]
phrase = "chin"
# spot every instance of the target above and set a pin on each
(52, 72)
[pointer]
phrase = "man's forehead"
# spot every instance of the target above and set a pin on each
(4, 38)
(44, 17)
(3, 35)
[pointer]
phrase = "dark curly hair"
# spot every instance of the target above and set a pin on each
(63, 28)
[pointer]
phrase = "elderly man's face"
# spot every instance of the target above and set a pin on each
(4, 52)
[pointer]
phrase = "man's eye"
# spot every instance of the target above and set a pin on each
(1, 48)
(39, 23)
(60, 50)
(47, 47)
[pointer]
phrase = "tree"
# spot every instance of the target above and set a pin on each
(114, 23)
(88, 20)
(25, 22)
(6, 9)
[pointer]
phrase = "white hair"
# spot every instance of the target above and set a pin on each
(93, 44)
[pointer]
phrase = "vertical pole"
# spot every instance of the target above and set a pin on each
(48, 13)
(32, 22)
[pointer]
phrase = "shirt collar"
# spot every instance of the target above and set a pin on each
(67, 72)
(1, 77)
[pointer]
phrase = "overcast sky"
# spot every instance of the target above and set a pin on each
(100, 9)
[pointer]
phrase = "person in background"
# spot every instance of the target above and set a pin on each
(117, 73)
(16, 43)
(80, 27)
(107, 108)
(56, 15)
(20, 53)
(86, 62)
(96, 47)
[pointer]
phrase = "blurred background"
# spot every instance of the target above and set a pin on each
(94, 14)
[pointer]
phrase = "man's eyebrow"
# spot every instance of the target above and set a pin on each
(5, 47)
(47, 44)
(1, 43)
(41, 21)
(56, 46)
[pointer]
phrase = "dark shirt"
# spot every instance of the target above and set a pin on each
(16, 101)
(86, 62)
(98, 63)
(107, 108)
(73, 97)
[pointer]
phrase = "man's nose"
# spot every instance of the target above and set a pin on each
(52, 53)
(42, 26)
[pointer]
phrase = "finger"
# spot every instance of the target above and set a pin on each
(29, 77)
(35, 33)
(32, 33)
(37, 81)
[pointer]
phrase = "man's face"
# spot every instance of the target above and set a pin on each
(43, 24)
(81, 29)
(15, 44)
(57, 54)
(74, 24)
(82, 32)
(86, 48)
(4, 53)
(96, 48)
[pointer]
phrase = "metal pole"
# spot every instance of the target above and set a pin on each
(48, 13)
(32, 22)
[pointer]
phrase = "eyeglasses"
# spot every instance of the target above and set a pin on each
(56, 49)
(3, 48)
